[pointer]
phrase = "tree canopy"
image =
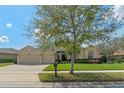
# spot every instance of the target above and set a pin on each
(72, 26)
(111, 46)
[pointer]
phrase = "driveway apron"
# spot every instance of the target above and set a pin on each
(15, 74)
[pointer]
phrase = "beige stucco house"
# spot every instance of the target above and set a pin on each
(35, 56)
(89, 53)
(30, 55)
(8, 53)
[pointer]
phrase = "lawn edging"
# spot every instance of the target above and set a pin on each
(81, 77)
(5, 64)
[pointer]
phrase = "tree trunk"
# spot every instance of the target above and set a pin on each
(73, 58)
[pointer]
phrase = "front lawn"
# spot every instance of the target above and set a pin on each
(79, 67)
(66, 77)
(5, 64)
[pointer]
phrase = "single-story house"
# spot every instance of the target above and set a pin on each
(8, 53)
(34, 56)
(30, 55)
(120, 52)
(89, 53)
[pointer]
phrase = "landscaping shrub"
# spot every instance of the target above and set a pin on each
(116, 59)
(81, 61)
(8, 61)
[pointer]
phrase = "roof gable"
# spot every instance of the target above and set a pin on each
(31, 50)
(8, 50)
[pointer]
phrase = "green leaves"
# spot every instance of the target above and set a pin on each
(72, 26)
(111, 46)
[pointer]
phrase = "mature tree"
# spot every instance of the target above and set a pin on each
(72, 26)
(109, 47)
(121, 42)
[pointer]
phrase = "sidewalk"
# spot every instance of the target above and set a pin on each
(116, 84)
(87, 71)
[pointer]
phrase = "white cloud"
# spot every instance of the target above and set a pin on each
(119, 10)
(37, 30)
(38, 34)
(4, 39)
(8, 25)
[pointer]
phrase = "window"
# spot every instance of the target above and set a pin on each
(90, 54)
(62, 55)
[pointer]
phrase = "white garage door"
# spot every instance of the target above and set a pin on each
(31, 59)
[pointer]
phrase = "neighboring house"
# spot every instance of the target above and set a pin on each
(8, 53)
(119, 53)
(35, 56)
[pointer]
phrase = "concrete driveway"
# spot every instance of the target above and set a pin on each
(26, 76)
(20, 73)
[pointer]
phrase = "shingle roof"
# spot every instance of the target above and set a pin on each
(30, 49)
(8, 50)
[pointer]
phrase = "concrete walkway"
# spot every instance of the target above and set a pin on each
(62, 84)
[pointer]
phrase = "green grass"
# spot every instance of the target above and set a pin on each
(7, 60)
(66, 77)
(5, 64)
(79, 67)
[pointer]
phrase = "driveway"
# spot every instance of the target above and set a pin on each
(20, 74)
(26, 76)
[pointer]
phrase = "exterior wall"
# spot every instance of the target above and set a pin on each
(32, 56)
(96, 53)
(84, 53)
(29, 59)
(48, 57)
(8, 56)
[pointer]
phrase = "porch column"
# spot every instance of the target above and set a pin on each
(40, 58)
(17, 59)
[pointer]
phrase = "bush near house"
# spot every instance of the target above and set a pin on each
(112, 59)
(116, 59)
(84, 61)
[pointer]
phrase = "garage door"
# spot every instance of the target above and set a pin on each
(30, 59)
